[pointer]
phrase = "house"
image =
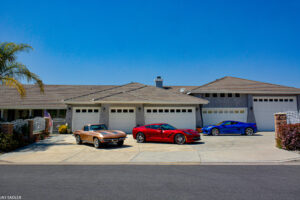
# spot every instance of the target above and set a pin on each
(125, 106)
(245, 100)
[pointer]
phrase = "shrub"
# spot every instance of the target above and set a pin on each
(8, 142)
(63, 129)
(289, 137)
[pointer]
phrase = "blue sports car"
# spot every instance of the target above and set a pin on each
(230, 127)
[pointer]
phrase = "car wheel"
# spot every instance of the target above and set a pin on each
(179, 139)
(249, 131)
(140, 138)
(120, 143)
(215, 132)
(96, 143)
(78, 139)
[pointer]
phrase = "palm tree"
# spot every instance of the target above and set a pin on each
(13, 72)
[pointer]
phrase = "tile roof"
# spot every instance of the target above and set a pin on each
(136, 93)
(239, 85)
(52, 98)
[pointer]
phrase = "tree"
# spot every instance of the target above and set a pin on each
(13, 72)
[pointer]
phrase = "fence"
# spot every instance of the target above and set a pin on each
(293, 117)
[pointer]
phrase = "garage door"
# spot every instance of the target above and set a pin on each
(265, 107)
(180, 117)
(215, 115)
(122, 119)
(84, 115)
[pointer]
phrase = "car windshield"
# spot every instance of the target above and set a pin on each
(167, 127)
(218, 124)
(98, 127)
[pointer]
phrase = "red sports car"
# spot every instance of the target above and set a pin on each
(164, 133)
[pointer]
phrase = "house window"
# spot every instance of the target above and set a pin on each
(113, 110)
(83, 110)
(53, 113)
(236, 111)
(237, 95)
(96, 110)
(276, 100)
(119, 110)
(221, 111)
(231, 111)
(270, 100)
(265, 100)
(242, 111)
(204, 112)
(178, 110)
(154, 111)
(209, 112)
(291, 100)
(172, 110)
(125, 110)
(62, 113)
(190, 110)
(226, 111)
(215, 95)
(160, 110)
(90, 110)
(148, 110)
(207, 95)
(77, 110)
(222, 95)
(131, 111)
(183, 110)
(286, 100)
(166, 110)
(229, 94)
(260, 100)
(281, 100)
(215, 111)
(255, 100)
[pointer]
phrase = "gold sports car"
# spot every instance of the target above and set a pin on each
(98, 135)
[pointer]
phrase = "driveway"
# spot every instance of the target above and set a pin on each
(61, 149)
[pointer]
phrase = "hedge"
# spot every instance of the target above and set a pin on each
(289, 137)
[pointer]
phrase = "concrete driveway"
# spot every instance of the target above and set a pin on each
(61, 149)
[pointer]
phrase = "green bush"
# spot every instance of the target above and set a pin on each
(8, 142)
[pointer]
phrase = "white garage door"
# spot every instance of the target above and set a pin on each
(180, 117)
(265, 107)
(122, 118)
(215, 115)
(85, 115)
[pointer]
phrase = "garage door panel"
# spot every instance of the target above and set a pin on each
(265, 107)
(122, 118)
(180, 117)
(215, 115)
(84, 115)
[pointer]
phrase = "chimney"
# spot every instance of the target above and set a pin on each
(159, 82)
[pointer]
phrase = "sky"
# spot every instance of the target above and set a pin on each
(186, 42)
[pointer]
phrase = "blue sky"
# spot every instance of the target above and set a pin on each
(186, 42)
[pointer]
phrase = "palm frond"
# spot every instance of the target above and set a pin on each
(11, 82)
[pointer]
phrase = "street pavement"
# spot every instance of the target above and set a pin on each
(62, 149)
(145, 182)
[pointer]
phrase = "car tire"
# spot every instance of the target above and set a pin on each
(215, 132)
(179, 139)
(140, 138)
(249, 131)
(96, 143)
(78, 139)
(120, 143)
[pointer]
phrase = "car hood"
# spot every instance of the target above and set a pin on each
(189, 131)
(209, 126)
(111, 133)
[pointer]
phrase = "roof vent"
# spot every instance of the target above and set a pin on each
(159, 82)
(182, 90)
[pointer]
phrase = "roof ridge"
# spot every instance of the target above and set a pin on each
(120, 92)
(210, 82)
(96, 92)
